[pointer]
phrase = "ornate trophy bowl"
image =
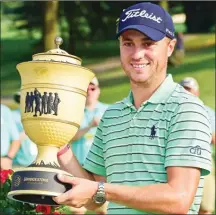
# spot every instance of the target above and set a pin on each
(53, 96)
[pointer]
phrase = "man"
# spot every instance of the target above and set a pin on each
(10, 143)
(208, 200)
(93, 112)
(146, 148)
(28, 150)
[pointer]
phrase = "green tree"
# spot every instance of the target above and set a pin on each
(50, 21)
(200, 15)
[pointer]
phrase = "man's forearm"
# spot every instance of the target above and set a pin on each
(101, 209)
(14, 147)
(157, 198)
(70, 164)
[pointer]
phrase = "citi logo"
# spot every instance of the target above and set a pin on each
(197, 150)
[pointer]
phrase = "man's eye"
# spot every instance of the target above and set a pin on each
(128, 44)
(147, 44)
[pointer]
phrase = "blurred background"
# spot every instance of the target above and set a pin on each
(88, 30)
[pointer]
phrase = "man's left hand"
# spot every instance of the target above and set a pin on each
(81, 193)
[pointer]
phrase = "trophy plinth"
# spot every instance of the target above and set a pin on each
(53, 95)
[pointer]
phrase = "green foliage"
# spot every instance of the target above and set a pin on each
(176, 7)
(8, 206)
(199, 62)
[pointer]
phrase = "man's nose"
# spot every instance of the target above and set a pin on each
(138, 54)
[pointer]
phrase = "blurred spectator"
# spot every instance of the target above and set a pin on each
(28, 150)
(93, 112)
(83, 139)
(208, 200)
(10, 143)
(178, 56)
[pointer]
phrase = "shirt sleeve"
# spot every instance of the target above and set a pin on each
(189, 138)
(95, 161)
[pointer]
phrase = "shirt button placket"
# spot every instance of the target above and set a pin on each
(133, 115)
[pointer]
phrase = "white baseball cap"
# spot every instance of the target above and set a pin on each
(95, 81)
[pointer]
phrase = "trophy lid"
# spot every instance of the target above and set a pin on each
(57, 55)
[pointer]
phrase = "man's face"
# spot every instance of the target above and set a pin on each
(143, 58)
(93, 93)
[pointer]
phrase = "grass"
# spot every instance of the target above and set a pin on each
(199, 63)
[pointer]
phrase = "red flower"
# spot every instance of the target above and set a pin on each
(45, 209)
(10, 171)
(4, 174)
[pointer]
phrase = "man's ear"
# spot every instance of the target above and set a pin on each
(171, 47)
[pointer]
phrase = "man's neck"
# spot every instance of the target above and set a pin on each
(142, 92)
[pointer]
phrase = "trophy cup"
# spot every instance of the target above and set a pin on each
(53, 95)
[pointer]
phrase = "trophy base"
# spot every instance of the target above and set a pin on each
(37, 185)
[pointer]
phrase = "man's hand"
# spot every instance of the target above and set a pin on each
(81, 193)
(6, 163)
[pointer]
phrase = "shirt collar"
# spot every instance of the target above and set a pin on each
(164, 90)
(159, 96)
(129, 100)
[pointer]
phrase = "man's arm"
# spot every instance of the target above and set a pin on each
(6, 162)
(14, 147)
(70, 164)
(173, 197)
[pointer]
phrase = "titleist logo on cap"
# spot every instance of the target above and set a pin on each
(141, 13)
(170, 32)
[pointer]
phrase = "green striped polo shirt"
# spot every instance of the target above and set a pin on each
(134, 147)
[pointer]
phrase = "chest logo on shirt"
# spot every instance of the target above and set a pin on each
(153, 132)
(196, 150)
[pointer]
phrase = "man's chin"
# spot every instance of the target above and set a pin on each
(141, 79)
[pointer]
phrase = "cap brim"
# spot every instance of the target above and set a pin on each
(149, 32)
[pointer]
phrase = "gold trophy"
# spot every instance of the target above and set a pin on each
(53, 96)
